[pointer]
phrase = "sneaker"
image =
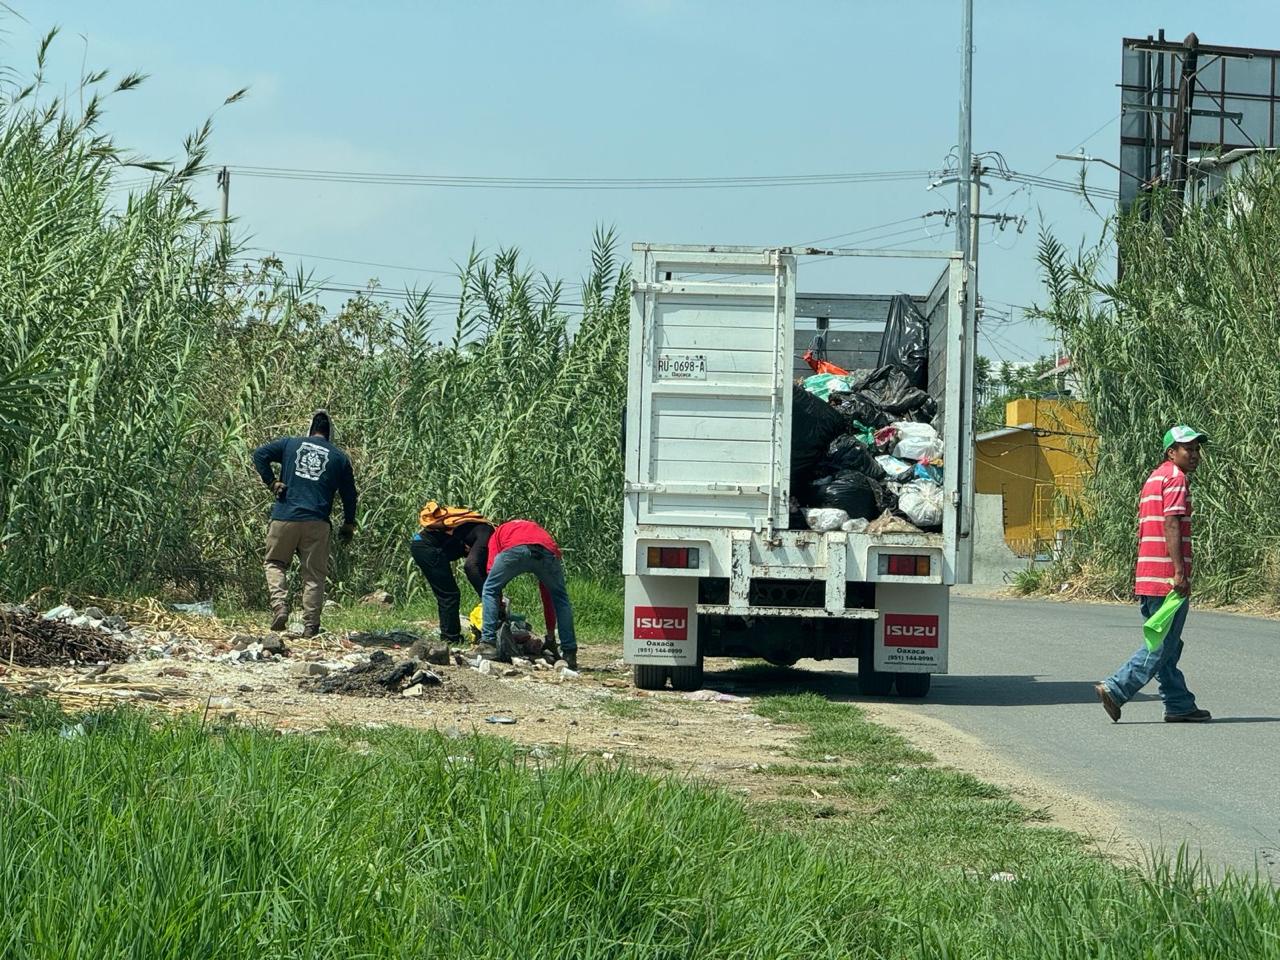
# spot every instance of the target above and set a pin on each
(570, 657)
(1108, 702)
(1194, 716)
(279, 619)
(310, 630)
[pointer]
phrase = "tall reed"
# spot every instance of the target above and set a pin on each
(141, 369)
(1189, 333)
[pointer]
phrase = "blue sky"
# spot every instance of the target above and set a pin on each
(626, 88)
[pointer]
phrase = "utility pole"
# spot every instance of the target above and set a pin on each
(224, 184)
(1181, 137)
(963, 231)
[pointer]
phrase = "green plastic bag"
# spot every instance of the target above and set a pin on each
(1157, 627)
(822, 385)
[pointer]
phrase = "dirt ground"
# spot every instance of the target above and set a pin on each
(712, 735)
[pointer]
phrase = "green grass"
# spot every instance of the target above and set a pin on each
(623, 708)
(136, 840)
(1029, 581)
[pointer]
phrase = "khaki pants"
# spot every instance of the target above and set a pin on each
(309, 539)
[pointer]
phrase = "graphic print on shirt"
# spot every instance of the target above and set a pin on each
(310, 461)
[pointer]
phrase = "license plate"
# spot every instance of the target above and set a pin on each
(682, 366)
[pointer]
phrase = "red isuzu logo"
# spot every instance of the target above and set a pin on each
(910, 630)
(661, 623)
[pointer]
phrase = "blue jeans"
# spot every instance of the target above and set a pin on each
(544, 565)
(1163, 665)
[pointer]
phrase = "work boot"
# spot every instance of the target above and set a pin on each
(1108, 701)
(310, 630)
(1193, 716)
(279, 618)
(570, 657)
(487, 651)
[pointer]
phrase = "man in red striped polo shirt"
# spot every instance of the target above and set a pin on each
(1164, 564)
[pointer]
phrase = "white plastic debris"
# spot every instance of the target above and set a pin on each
(714, 696)
(856, 525)
(921, 501)
(917, 441)
(62, 612)
(824, 519)
(895, 469)
(1004, 877)
(569, 674)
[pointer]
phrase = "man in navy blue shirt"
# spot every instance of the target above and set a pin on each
(312, 470)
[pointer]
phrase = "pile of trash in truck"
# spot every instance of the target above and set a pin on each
(866, 455)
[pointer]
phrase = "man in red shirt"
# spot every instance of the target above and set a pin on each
(1164, 564)
(521, 546)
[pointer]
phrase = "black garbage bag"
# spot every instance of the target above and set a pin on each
(814, 425)
(889, 389)
(854, 493)
(860, 407)
(850, 453)
(906, 340)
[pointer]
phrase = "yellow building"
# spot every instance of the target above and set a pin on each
(1038, 463)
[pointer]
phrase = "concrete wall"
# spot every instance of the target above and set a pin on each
(993, 561)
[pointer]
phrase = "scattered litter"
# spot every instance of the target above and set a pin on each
(504, 721)
(310, 670)
(830, 759)
(63, 612)
(72, 732)
(383, 676)
(569, 674)
(201, 608)
(816, 794)
(605, 755)
(416, 690)
(714, 696)
(1004, 877)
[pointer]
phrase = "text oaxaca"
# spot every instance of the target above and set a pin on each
(661, 623)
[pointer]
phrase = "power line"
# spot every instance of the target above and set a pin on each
(574, 183)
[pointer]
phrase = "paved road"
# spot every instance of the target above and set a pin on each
(1022, 675)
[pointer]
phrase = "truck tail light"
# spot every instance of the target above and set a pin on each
(905, 564)
(678, 558)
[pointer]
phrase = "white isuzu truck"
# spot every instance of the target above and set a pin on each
(712, 568)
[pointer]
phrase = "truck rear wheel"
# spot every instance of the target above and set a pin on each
(646, 676)
(913, 684)
(873, 682)
(687, 678)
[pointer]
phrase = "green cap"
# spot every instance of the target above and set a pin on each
(1183, 434)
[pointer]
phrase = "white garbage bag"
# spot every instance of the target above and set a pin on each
(856, 525)
(921, 501)
(917, 441)
(824, 519)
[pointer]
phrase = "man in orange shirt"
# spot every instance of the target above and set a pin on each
(1164, 564)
